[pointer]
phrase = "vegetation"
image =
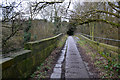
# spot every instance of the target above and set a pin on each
(27, 34)
(107, 68)
(23, 22)
(97, 19)
(21, 26)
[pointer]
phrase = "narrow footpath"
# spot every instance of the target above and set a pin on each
(74, 66)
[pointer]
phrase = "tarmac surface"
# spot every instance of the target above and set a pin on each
(74, 65)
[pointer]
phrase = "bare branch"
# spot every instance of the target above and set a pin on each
(6, 26)
(68, 6)
(98, 11)
(114, 6)
(44, 5)
(98, 20)
(11, 35)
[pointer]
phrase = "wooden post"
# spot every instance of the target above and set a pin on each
(93, 31)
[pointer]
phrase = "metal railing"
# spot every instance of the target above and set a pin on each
(100, 37)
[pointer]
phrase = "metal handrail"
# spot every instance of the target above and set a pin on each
(101, 37)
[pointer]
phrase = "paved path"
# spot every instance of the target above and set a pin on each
(74, 66)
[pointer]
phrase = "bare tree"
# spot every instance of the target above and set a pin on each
(10, 18)
(85, 17)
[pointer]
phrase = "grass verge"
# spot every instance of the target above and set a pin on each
(101, 64)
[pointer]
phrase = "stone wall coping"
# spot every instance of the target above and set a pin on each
(39, 41)
(20, 53)
(26, 51)
(5, 59)
(110, 47)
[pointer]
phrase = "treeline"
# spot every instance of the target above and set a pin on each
(98, 19)
(39, 29)
(20, 24)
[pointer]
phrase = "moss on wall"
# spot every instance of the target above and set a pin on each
(107, 51)
(23, 64)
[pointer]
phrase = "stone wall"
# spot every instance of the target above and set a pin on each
(25, 62)
(108, 51)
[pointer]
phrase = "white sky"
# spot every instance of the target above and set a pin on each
(24, 3)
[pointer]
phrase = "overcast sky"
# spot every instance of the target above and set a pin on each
(24, 3)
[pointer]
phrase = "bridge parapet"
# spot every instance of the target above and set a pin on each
(23, 64)
(108, 51)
